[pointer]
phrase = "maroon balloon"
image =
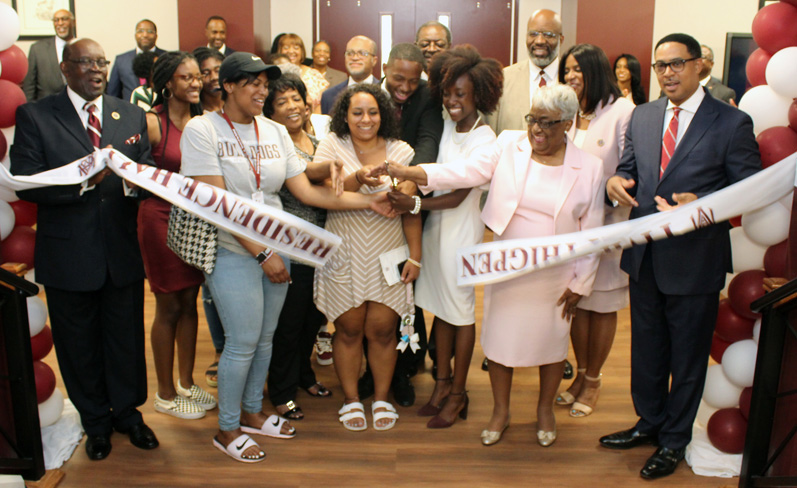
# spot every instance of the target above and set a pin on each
(727, 428)
(745, 288)
(736, 221)
(756, 67)
(3, 145)
(731, 326)
(793, 114)
(776, 143)
(718, 346)
(775, 259)
(24, 213)
(792, 2)
(11, 97)
(45, 380)
(744, 402)
(774, 27)
(42, 343)
(15, 64)
(18, 246)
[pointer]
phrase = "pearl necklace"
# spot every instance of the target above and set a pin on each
(586, 116)
(454, 133)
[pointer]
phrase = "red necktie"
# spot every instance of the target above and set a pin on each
(93, 128)
(668, 142)
(542, 78)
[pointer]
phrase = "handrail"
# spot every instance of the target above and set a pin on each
(29, 289)
(774, 296)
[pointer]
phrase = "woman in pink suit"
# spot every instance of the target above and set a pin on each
(599, 129)
(540, 185)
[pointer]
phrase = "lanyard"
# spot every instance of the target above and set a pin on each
(255, 167)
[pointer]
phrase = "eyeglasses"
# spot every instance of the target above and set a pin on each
(676, 65)
(87, 63)
(546, 34)
(544, 124)
(362, 54)
(188, 79)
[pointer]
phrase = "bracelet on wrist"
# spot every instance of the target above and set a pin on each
(357, 177)
(264, 256)
(417, 207)
(416, 263)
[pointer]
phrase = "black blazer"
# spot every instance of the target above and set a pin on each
(717, 150)
(331, 94)
(80, 239)
(422, 124)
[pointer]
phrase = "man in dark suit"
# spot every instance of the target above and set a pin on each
(216, 32)
(421, 127)
(677, 149)
(123, 81)
(360, 61)
(712, 84)
(44, 75)
(87, 255)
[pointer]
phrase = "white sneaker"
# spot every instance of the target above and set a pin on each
(180, 407)
(197, 395)
(323, 349)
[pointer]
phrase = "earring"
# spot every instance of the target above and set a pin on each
(167, 94)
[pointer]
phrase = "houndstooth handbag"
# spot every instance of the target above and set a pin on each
(192, 239)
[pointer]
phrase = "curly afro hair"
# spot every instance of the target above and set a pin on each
(389, 127)
(486, 74)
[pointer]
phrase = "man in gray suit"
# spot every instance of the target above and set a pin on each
(44, 74)
(521, 80)
(712, 84)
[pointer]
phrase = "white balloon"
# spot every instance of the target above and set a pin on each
(767, 226)
(9, 26)
(719, 392)
(7, 220)
(50, 410)
(782, 72)
(37, 315)
(738, 362)
(1, 67)
(787, 201)
(747, 254)
(704, 412)
(766, 107)
(757, 330)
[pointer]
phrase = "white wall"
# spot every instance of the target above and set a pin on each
(294, 16)
(706, 20)
(524, 10)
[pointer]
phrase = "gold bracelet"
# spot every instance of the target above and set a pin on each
(416, 263)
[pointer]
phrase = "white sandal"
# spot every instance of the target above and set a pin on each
(236, 448)
(389, 413)
(353, 411)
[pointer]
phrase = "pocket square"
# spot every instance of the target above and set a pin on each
(133, 140)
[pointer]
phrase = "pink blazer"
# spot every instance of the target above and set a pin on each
(578, 207)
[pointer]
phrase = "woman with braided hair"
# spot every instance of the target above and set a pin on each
(177, 82)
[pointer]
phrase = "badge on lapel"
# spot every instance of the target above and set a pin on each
(133, 140)
(600, 143)
(115, 115)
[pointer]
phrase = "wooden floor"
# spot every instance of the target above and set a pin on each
(325, 454)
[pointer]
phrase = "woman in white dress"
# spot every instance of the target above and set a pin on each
(469, 85)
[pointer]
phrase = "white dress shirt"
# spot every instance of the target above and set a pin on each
(688, 109)
(551, 76)
(370, 79)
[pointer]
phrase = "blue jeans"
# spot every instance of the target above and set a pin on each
(212, 317)
(249, 306)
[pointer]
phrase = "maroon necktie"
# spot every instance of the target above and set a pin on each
(542, 79)
(668, 142)
(93, 128)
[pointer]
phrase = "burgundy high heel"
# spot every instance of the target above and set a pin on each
(430, 410)
(438, 422)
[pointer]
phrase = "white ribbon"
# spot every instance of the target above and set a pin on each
(408, 338)
(498, 261)
(238, 215)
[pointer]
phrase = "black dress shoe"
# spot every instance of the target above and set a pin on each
(365, 385)
(568, 372)
(626, 439)
(141, 436)
(403, 391)
(485, 365)
(98, 446)
(662, 463)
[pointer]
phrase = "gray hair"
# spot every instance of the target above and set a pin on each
(559, 98)
(434, 23)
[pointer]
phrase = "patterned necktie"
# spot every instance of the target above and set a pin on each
(93, 128)
(668, 142)
(542, 79)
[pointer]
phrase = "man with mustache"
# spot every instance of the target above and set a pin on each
(432, 38)
(360, 61)
(123, 81)
(44, 76)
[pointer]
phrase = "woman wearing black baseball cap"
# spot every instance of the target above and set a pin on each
(249, 283)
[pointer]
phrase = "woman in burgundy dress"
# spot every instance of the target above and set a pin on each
(177, 83)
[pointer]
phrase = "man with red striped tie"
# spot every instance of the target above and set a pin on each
(678, 149)
(87, 255)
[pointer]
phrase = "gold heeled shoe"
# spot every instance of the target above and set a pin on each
(545, 439)
(566, 398)
(490, 437)
(579, 409)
